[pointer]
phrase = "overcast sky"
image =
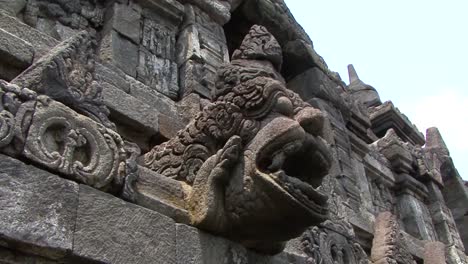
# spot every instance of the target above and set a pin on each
(413, 52)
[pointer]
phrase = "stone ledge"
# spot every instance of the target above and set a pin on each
(37, 209)
(386, 116)
(14, 50)
(197, 247)
(111, 230)
(42, 42)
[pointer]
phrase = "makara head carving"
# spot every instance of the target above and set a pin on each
(254, 158)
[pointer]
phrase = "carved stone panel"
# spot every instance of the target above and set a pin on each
(74, 145)
(67, 74)
(333, 243)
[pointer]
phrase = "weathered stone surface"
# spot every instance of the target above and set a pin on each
(112, 76)
(171, 10)
(434, 253)
(129, 108)
(119, 51)
(42, 43)
(219, 10)
(8, 256)
(201, 49)
(113, 231)
(386, 116)
(313, 83)
(388, 244)
(162, 194)
(197, 247)
(37, 209)
(14, 50)
(126, 21)
(158, 73)
(16, 55)
(67, 74)
(331, 243)
(85, 151)
(361, 92)
(12, 7)
(158, 68)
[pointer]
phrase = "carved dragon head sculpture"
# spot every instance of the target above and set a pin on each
(253, 159)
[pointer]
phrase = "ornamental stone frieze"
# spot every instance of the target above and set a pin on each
(54, 136)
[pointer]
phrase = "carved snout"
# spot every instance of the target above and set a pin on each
(311, 120)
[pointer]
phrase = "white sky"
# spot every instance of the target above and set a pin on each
(413, 52)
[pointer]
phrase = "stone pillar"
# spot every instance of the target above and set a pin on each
(434, 253)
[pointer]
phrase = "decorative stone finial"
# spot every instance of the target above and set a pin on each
(260, 44)
(363, 93)
(435, 142)
(353, 76)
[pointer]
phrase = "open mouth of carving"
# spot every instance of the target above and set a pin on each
(298, 167)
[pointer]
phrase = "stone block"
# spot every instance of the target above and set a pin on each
(218, 10)
(37, 209)
(127, 109)
(111, 76)
(158, 38)
(126, 21)
(161, 194)
(188, 45)
(158, 73)
(111, 230)
(12, 7)
(193, 79)
(8, 256)
(42, 42)
(197, 247)
(120, 52)
(201, 49)
(434, 253)
(315, 83)
(16, 55)
(170, 10)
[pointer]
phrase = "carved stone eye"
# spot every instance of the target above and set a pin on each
(284, 106)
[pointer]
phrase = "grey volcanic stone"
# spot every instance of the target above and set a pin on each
(42, 42)
(120, 52)
(8, 256)
(127, 21)
(16, 55)
(134, 110)
(37, 209)
(113, 231)
(197, 247)
(113, 77)
(434, 253)
(12, 6)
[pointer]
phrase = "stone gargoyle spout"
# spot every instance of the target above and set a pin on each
(251, 162)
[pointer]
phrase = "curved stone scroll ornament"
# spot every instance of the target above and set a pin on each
(74, 145)
(252, 161)
(16, 108)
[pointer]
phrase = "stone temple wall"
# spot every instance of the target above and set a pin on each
(208, 131)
